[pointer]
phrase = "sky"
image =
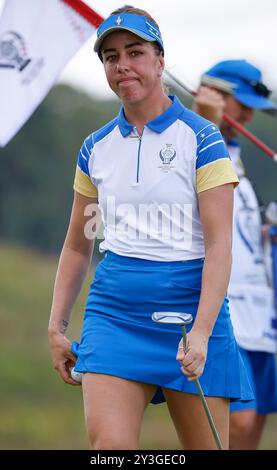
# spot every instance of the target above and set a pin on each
(196, 34)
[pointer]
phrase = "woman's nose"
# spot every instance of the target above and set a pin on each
(121, 66)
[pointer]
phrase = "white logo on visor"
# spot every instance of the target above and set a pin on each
(119, 20)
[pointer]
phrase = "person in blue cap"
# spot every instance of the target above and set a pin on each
(163, 180)
(236, 87)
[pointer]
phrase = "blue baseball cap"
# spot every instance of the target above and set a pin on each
(243, 81)
(136, 24)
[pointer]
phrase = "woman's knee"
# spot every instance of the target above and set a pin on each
(242, 422)
(112, 441)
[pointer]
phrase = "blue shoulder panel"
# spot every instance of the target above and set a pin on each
(210, 143)
(88, 144)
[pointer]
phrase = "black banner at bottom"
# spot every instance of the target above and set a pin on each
(129, 459)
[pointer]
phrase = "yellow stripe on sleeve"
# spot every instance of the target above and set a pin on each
(215, 174)
(83, 184)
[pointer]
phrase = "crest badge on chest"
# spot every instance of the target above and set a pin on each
(167, 155)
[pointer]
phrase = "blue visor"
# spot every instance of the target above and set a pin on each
(136, 24)
(243, 81)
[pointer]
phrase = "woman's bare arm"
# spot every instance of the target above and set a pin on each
(72, 269)
(216, 209)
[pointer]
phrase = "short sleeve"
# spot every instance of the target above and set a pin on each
(82, 181)
(213, 163)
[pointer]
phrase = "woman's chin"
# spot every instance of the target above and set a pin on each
(131, 98)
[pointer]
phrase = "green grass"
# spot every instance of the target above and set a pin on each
(37, 410)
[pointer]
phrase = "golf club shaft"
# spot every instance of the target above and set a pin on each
(232, 122)
(209, 416)
(204, 402)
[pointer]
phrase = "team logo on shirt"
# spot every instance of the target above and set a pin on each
(167, 154)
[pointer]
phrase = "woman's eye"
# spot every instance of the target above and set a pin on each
(110, 58)
(135, 53)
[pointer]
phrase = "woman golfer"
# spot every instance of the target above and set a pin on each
(164, 183)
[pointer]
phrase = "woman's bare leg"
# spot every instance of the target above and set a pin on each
(191, 422)
(246, 428)
(114, 409)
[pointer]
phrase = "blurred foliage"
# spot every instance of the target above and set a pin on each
(38, 410)
(38, 165)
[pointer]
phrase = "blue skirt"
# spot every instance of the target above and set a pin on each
(119, 337)
(262, 371)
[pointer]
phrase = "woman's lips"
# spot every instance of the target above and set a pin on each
(126, 80)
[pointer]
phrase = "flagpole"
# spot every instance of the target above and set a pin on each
(84, 10)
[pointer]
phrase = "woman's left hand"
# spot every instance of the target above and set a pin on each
(194, 358)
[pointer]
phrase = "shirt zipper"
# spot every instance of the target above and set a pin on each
(138, 159)
(140, 137)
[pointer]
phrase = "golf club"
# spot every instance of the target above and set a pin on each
(184, 319)
(254, 139)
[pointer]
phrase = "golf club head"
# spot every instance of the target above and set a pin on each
(177, 318)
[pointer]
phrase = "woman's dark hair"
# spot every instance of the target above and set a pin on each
(138, 11)
(135, 11)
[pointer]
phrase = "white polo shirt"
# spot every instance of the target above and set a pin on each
(248, 262)
(147, 186)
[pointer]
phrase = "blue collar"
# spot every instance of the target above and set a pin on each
(159, 124)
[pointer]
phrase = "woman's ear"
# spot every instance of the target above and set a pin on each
(161, 65)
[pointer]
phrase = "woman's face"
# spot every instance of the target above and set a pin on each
(132, 66)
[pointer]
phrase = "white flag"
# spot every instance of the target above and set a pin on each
(37, 39)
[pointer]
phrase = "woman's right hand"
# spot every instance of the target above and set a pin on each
(62, 357)
(193, 359)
